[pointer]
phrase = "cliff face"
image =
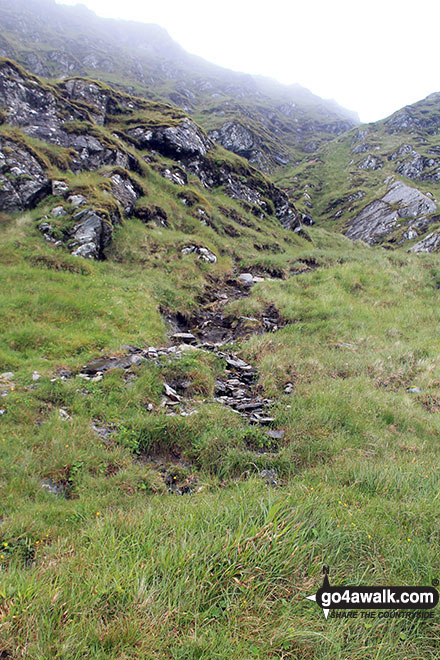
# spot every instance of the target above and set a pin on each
(51, 135)
(267, 123)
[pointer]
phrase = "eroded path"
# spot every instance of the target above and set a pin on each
(215, 330)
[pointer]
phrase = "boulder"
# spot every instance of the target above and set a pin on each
(184, 140)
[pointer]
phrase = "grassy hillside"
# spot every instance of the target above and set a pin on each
(348, 173)
(110, 563)
(199, 418)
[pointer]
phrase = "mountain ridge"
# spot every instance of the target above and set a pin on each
(55, 40)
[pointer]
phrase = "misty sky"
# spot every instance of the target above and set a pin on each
(373, 56)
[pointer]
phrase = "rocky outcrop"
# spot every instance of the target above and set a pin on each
(125, 190)
(73, 116)
(379, 218)
(411, 202)
(431, 243)
(370, 163)
(374, 222)
(91, 94)
(411, 120)
(185, 140)
(232, 135)
(91, 234)
(23, 180)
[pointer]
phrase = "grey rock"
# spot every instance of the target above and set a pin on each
(59, 188)
(411, 202)
(232, 135)
(184, 140)
(104, 364)
(137, 360)
(58, 211)
(431, 243)
(246, 278)
(126, 191)
(64, 415)
(53, 488)
(409, 235)
(370, 163)
(90, 93)
(375, 221)
(23, 181)
(203, 253)
(184, 337)
(413, 390)
(77, 200)
(7, 375)
(176, 175)
(380, 217)
(171, 393)
(275, 435)
(91, 235)
(103, 431)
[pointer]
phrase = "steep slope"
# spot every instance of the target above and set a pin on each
(52, 135)
(379, 183)
(268, 123)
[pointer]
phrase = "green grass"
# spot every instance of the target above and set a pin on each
(119, 567)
